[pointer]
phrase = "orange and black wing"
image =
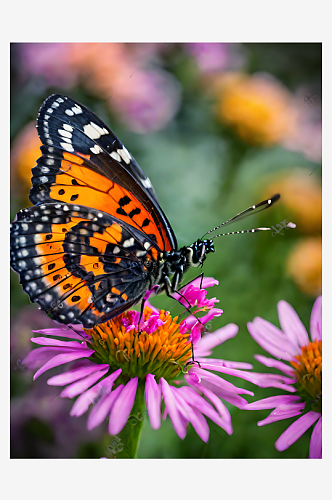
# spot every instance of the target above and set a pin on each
(84, 163)
(80, 264)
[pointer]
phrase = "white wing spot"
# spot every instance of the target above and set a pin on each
(77, 109)
(96, 149)
(65, 133)
(67, 147)
(69, 112)
(24, 227)
(93, 130)
(48, 297)
(146, 183)
(124, 155)
(147, 245)
(116, 250)
(116, 156)
(67, 127)
(129, 243)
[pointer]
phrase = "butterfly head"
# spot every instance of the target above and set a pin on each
(198, 251)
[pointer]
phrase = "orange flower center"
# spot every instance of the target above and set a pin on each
(308, 369)
(164, 352)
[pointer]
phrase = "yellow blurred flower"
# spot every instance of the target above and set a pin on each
(24, 154)
(258, 107)
(301, 195)
(304, 265)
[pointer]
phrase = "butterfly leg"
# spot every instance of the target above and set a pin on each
(168, 290)
(199, 276)
(141, 315)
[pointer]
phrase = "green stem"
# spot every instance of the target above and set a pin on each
(125, 444)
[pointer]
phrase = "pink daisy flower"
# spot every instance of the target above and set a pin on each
(292, 344)
(119, 370)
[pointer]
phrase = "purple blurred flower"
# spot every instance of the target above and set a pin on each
(52, 61)
(210, 57)
(148, 101)
(292, 344)
(113, 362)
(306, 137)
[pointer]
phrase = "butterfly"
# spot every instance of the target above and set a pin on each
(96, 240)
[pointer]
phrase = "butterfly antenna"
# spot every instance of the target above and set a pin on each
(263, 205)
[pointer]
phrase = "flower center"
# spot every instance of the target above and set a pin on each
(159, 348)
(308, 370)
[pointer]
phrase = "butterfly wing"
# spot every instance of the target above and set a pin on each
(80, 264)
(83, 162)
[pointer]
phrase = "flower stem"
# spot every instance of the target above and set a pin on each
(125, 444)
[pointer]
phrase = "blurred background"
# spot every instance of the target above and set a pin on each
(217, 127)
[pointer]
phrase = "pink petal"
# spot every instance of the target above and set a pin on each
(315, 448)
(211, 340)
(218, 381)
(202, 425)
(316, 320)
(230, 397)
(62, 332)
(57, 343)
(272, 340)
(63, 358)
(272, 402)
(150, 292)
(75, 374)
(83, 402)
(291, 324)
(38, 357)
(153, 401)
(199, 424)
(101, 409)
(170, 403)
(81, 385)
(193, 399)
(270, 380)
(273, 363)
(224, 363)
(296, 429)
(282, 412)
(219, 405)
(206, 283)
(122, 407)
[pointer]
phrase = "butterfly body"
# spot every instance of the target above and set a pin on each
(96, 239)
